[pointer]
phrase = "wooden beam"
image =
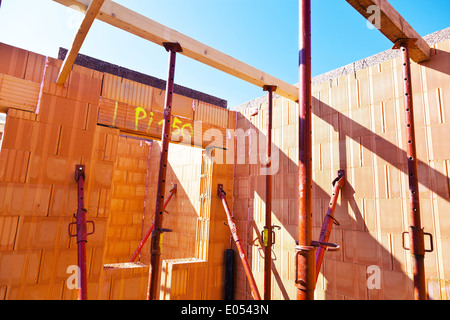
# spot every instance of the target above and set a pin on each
(137, 24)
(394, 26)
(91, 14)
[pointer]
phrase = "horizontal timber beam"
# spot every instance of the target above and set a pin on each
(393, 26)
(91, 14)
(139, 25)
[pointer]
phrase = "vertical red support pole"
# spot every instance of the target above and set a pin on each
(417, 246)
(267, 233)
(81, 232)
(156, 242)
(238, 242)
(305, 253)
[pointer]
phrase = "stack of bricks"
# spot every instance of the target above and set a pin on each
(358, 126)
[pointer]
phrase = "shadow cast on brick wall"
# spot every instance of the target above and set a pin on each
(349, 212)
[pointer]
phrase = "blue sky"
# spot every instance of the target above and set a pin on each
(262, 33)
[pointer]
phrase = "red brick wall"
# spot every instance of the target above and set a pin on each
(358, 126)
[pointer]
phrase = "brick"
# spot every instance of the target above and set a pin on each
(364, 184)
(363, 87)
(434, 108)
(50, 169)
(111, 147)
(442, 209)
(360, 123)
(21, 114)
(441, 147)
(35, 67)
(84, 85)
(440, 179)
(341, 275)
(17, 134)
(8, 228)
(394, 182)
(322, 184)
(51, 76)
(5, 196)
(18, 93)
(112, 113)
(63, 200)
(29, 199)
(382, 86)
(370, 215)
(436, 71)
(25, 230)
(32, 266)
(46, 232)
(76, 143)
(13, 165)
(99, 236)
(12, 267)
(396, 285)
(424, 173)
(92, 117)
(386, 149)
(104, 203)
(364, 245)
(127, 91)
(422, 145)
(391, 215)
(66, 258)
(445, 243)
(339, 96)
(385, 251)
(13, 61)
(102, 173)
(49, 258)
(398, 254)
(44, 138)
(36, 292)
(59, 110)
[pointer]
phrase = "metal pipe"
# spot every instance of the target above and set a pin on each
(267, 233)
(328, 221)
(81, 232)
(417, 246)
(305, 256)
(237, 240)
(152, 227)
(156, 242)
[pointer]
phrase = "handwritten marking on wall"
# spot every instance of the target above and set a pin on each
(177, 125)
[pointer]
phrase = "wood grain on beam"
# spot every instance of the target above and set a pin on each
(137, 24)
(91, 13)
(394, 26)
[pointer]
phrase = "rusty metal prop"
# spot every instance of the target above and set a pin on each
(81, 234)
(416, 233)
(323, 244)
(152, 227)
(156, 243)
(305, 254)
(237, 240)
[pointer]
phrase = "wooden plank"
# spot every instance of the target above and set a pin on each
(137, 24)
(394, 26)
(85, 26)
